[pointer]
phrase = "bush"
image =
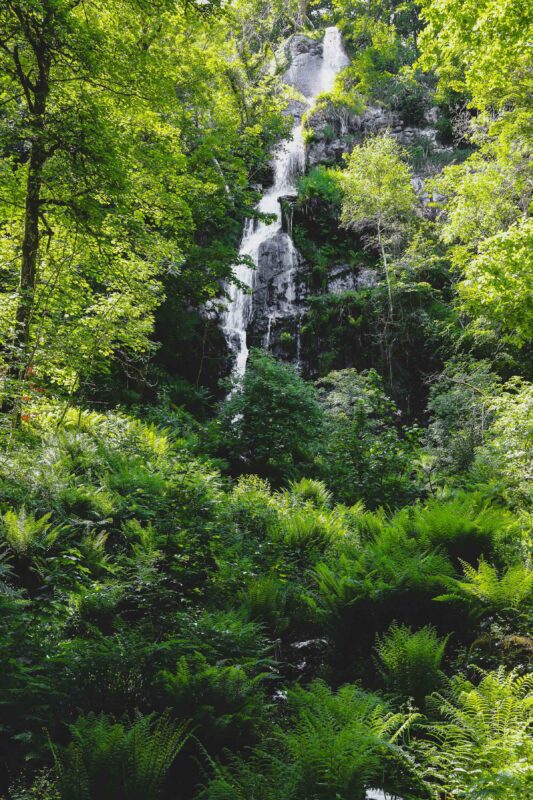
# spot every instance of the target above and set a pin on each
(117, 761)
(364, 455)
(410, 662)
(271, 420)
(483, 746)
(460, 408)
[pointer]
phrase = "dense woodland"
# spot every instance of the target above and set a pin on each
(314, 580)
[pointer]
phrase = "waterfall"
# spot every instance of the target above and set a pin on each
(299, 343)
(334, 58)
(288, 164)
(267, 337)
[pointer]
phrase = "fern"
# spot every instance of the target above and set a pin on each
(485, 591)
(336, 745)
(410, 661)
(483, 746)
(337, 588)
(461, 527)
(223, 701)
(24, 534)
(116, 761)
(309, 491)
(265, 601)
(308, 532)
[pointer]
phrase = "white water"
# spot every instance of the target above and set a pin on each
(288, 163)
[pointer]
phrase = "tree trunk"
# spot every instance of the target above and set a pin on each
(385, 268)
(302, 13)
(37, 97)
(388, 323)
(30, 250)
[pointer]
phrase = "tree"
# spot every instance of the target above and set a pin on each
(126, 172)
(62, 86)
(496, 289)
(484, 54)
(378, 193)
(509, 442)
(481, 47)
(363, 456)
(270, 422)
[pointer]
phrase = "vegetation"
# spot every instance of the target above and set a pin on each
(314, 579)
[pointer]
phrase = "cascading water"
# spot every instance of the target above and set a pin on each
(288, 163)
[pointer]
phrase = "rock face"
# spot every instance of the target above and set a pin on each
(272, 316)
(272, 294)
(275, 292)
(304, 57)
(334, 136)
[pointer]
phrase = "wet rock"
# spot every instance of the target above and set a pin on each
(304, 57)
(275, 283)
(343, 278)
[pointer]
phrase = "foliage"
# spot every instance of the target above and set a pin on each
(497, 288)
(364, 456)
(410, 662)
(460, 403)
(509, 441)
(114, 760)
(290, 568)
(119, 142)
(485, 592)
(377, 186)
(484, 51)
(377, 192)
(334, 749)
(463, 525)
(310, 491)
(482, 748)
(321, 183)
(270, 420)
(222, 701)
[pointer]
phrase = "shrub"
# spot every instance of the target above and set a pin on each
(117, 761)
(483, 745)
(410, 661)
(270, 421)
(363, 456)
(483, 591)
(460, 409)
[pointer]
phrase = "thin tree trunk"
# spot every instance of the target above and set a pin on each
(302, 13)
(385, 267)
(388, 346)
